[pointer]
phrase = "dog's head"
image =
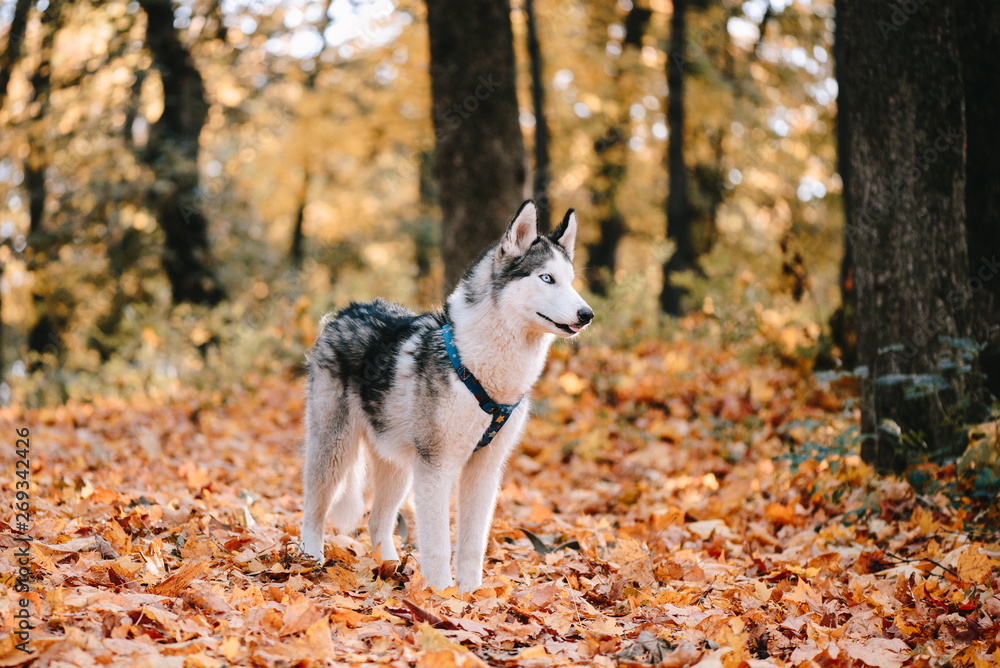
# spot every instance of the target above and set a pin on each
(531, 276)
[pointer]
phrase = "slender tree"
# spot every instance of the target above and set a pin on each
(425, 233)
(8, 59)
(172, 154)
(12, 52)
(842, 321)
(542, 175)
(611, 150)
(41, 87)
(47, 329)
(906, 180)
(479, 151)
(297, 253)
(678, 219)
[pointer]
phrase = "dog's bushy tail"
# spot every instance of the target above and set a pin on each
(333, 474)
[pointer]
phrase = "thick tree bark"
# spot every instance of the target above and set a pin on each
(678, 218)
(479, 151)
(12, 52)
(542, 175)
(172, 154)
(979, 26)
(907, 188)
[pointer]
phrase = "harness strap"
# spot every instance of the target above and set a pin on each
(500, 412)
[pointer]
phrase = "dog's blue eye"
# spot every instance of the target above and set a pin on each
(547, 278)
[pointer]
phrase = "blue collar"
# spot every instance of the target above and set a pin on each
(500, 412)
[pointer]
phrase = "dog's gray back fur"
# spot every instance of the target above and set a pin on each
(363, 346)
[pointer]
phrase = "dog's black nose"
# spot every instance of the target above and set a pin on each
(584, 316)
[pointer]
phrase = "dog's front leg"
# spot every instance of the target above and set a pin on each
(477, 496)
(431, 495)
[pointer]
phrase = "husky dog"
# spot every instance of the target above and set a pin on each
(435, 399)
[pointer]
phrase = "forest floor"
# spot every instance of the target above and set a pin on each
(678, 503)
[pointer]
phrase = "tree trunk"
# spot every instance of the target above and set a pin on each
(296, 253)
(8, 59)
(906, 185)
(542, 175)
(479, 151)
(612, 152)
(979, 26)
(41, 87)
(46, 331)
(172, 154)
(612, 156)
(12, 53)
(426, 235)
(132, 108)
(842, 321)
(678, 219)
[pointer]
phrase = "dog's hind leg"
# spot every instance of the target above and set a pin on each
(331, 452)
(348, 505)
(390, 483)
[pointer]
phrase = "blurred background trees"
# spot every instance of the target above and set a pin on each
(187, 185)
(172, 185)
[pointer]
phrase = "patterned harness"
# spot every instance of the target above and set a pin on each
(500, 412)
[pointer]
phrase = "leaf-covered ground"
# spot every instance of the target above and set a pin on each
(674, 504)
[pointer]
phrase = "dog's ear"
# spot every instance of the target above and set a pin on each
(565, 234)
(521, 232)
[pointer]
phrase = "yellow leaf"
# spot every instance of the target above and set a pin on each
(973, 566)
(536, 652)
(180, 579)
(230, 647)
(441, 652)
(431, 640)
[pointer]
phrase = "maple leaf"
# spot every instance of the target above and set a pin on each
(179, 580)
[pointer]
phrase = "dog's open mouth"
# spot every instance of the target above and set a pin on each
(569, 329)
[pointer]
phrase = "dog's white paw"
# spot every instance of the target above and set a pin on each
(313, 547)
(438, 579)
(387, 551)
(466, 585)
(469, 573)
